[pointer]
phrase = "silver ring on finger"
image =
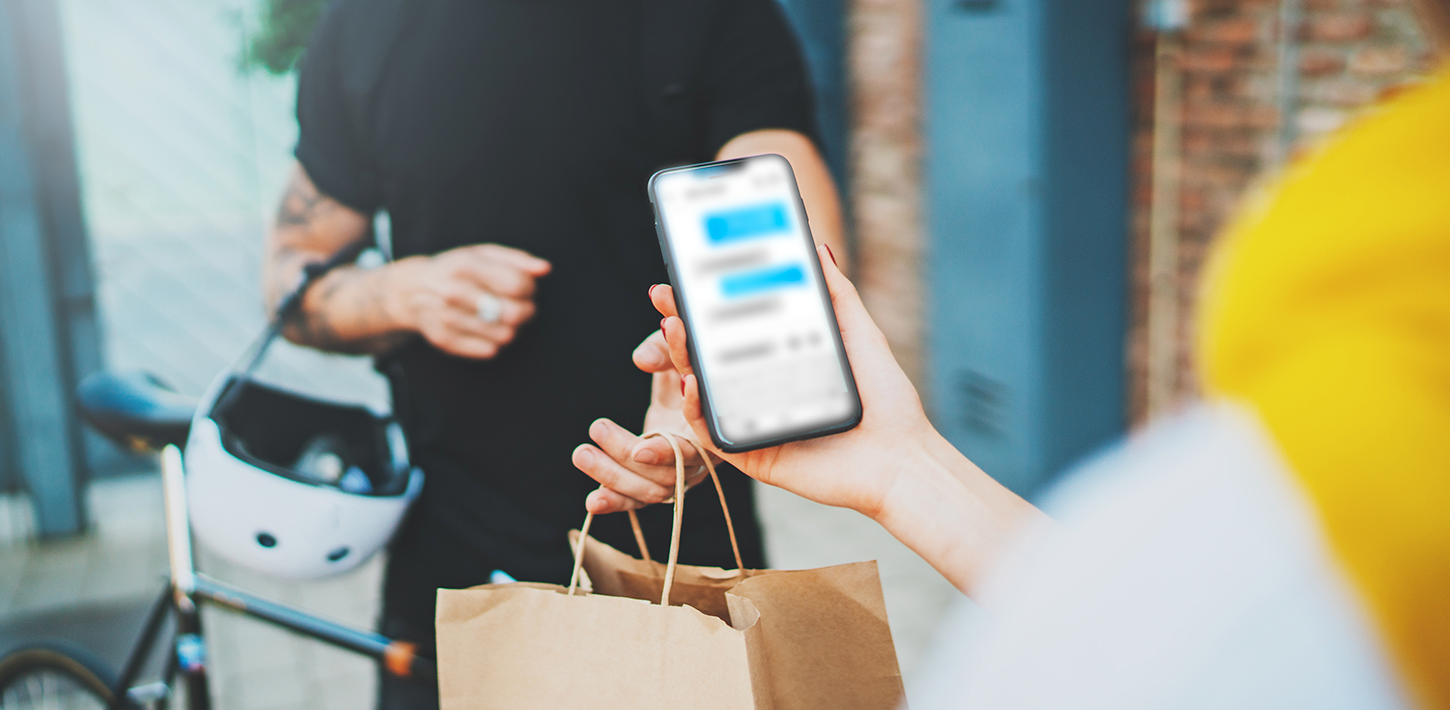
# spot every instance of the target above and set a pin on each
(489, 308)
(699, 476)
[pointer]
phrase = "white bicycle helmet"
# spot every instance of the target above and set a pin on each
(290, 485)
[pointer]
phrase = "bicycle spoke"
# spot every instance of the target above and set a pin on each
(46, 690)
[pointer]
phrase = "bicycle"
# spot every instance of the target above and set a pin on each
(139, 412)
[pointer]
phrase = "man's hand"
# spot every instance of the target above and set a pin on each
(468, 301)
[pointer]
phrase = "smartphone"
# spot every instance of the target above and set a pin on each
(763, 336)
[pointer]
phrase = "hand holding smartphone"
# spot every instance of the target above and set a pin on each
(748, 286)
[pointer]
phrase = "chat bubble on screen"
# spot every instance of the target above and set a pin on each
(762, 280)
(747, 223)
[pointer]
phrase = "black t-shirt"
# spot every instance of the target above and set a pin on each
(524, 123)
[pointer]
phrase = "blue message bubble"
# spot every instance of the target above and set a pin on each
(753, 282)
(746, 223)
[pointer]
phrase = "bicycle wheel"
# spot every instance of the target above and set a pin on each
(54, 676)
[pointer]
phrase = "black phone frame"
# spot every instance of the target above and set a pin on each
(712, 422)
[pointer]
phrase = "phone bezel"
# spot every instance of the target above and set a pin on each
(712, 422)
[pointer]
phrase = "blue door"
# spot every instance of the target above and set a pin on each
(1026, 164)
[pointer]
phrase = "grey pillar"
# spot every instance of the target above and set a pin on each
(47, 313)
(1026, 166)
(821, 26)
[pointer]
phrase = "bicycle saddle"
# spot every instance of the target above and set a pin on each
(135, 409)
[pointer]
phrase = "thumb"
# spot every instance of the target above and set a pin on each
(851, 315)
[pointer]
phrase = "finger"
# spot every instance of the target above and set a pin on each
(518, 258)
(498, 278)
(603, 501)
(475, 348)
(464, 335)
(695, 416)
(512, 311)
(653, 355)
(674, 332)
(663, 298)
(621, 444)
(851, 314)
(466, 324)
(609, 473)
(656, 451)
(613, 438)
(651, 459)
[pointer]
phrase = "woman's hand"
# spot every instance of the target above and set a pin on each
(853, 469)
(893, 467)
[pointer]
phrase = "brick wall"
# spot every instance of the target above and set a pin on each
(1353, 53)
(885, 190)
(1350, 52)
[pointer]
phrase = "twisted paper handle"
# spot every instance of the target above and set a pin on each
(679, 500)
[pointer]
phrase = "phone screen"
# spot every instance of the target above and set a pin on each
(762, 332)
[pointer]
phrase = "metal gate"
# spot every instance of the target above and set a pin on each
(182, 155)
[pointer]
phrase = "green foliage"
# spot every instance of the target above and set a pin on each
(286, 25)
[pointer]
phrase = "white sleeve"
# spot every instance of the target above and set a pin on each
(1192, 574)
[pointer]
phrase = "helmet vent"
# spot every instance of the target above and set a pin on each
(338, 554)
(266, 539)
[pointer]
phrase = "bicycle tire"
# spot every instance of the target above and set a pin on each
(54, 674)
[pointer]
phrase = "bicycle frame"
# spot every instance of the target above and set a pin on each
(187, 588)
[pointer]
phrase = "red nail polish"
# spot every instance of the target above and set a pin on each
(830, 254)
(662, 323)
(652, 290)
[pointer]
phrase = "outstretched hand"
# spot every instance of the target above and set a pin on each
(634, 471)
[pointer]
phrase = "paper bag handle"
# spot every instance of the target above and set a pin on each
(720, 491)
(673, 440)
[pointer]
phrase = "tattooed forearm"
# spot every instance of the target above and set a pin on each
(312, 325)
(343, 311)
(345, 290)
(302, 204)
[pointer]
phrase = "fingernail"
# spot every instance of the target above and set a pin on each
(682, 387)
(645, 456)
(652, 290)
(830, 254)
(662, 323)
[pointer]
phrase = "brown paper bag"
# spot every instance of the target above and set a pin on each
(718, 639)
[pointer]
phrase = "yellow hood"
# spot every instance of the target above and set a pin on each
(1327, 310)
